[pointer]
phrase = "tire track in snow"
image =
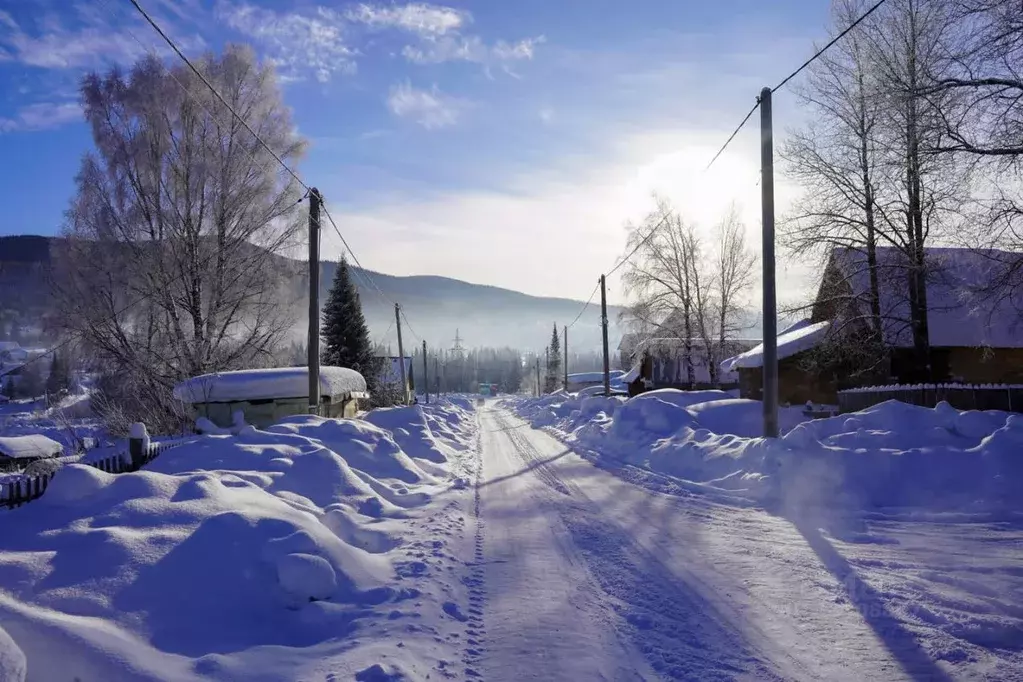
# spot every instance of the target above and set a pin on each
(475, 580)
(679, 632)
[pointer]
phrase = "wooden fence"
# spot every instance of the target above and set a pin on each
(1008, 398)
(30, 488)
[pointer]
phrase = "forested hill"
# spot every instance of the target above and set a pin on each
(436, 307)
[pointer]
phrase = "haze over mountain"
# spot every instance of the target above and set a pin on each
(436, 307)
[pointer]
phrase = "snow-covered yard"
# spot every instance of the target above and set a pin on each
(316, 547)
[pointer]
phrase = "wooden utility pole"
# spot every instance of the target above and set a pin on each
(401, 356)
(770, 369)
(564, 360)
(426, 375)
(436, 374)
(603, 326)
(313, 342)
(538, 394)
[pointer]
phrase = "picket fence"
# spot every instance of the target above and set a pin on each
(30, 488)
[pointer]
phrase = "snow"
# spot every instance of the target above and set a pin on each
(29, 447)
(252, 556)
(891, 455)
(593, 377)
(266, 384)
(599, 578)
(796, 339)
(630, 539)
(306, 577)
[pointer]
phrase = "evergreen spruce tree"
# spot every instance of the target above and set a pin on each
(345, 336)
(554, 362)
(59, 378)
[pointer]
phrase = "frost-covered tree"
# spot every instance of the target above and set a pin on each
(346, 341)
(172, 263)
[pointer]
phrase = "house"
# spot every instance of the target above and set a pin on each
(973, 319)
(17, 452)
(799, 381)
(662, 363)
(264, 396)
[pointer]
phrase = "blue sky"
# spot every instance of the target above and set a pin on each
(498, 142)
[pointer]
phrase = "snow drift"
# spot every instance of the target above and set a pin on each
(224, 557)
(890, 455)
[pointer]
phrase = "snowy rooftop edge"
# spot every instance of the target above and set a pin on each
(268, 384)
(796, 338)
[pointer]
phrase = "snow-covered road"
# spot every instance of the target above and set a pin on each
(578, 574)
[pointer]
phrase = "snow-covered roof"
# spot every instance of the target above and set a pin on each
(593, 377)
(29, 447)
(962, 312)
(267, 384)
(794, 339)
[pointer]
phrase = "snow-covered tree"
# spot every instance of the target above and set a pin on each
(346, 341)
(172, 264)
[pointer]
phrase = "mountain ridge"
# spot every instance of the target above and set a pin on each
(436, 307)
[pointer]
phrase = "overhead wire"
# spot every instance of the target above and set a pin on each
(216, 94)
(363, 272)
(585, 305)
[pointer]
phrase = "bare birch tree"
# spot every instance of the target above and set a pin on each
(678, 291)
(172, 265)
(732, 279)
(908, 55)
(836, 158)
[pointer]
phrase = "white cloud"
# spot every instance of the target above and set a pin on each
(42, 116)
(297, 44)
(93, 44)
(429, 108)
(449, 48)
(419, 18)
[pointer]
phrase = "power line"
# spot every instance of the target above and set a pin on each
(585, 305)
(209, 85)
(826, 47)
(792, 75)
(732, 136)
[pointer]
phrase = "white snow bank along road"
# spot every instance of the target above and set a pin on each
(299, 552)
(890, 455)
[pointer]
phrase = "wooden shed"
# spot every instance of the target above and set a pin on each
(265, 396)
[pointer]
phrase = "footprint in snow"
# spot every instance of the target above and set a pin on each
(453, 610)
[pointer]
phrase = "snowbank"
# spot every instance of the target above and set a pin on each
(890, 455)
(226, 556)
(266, 384)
